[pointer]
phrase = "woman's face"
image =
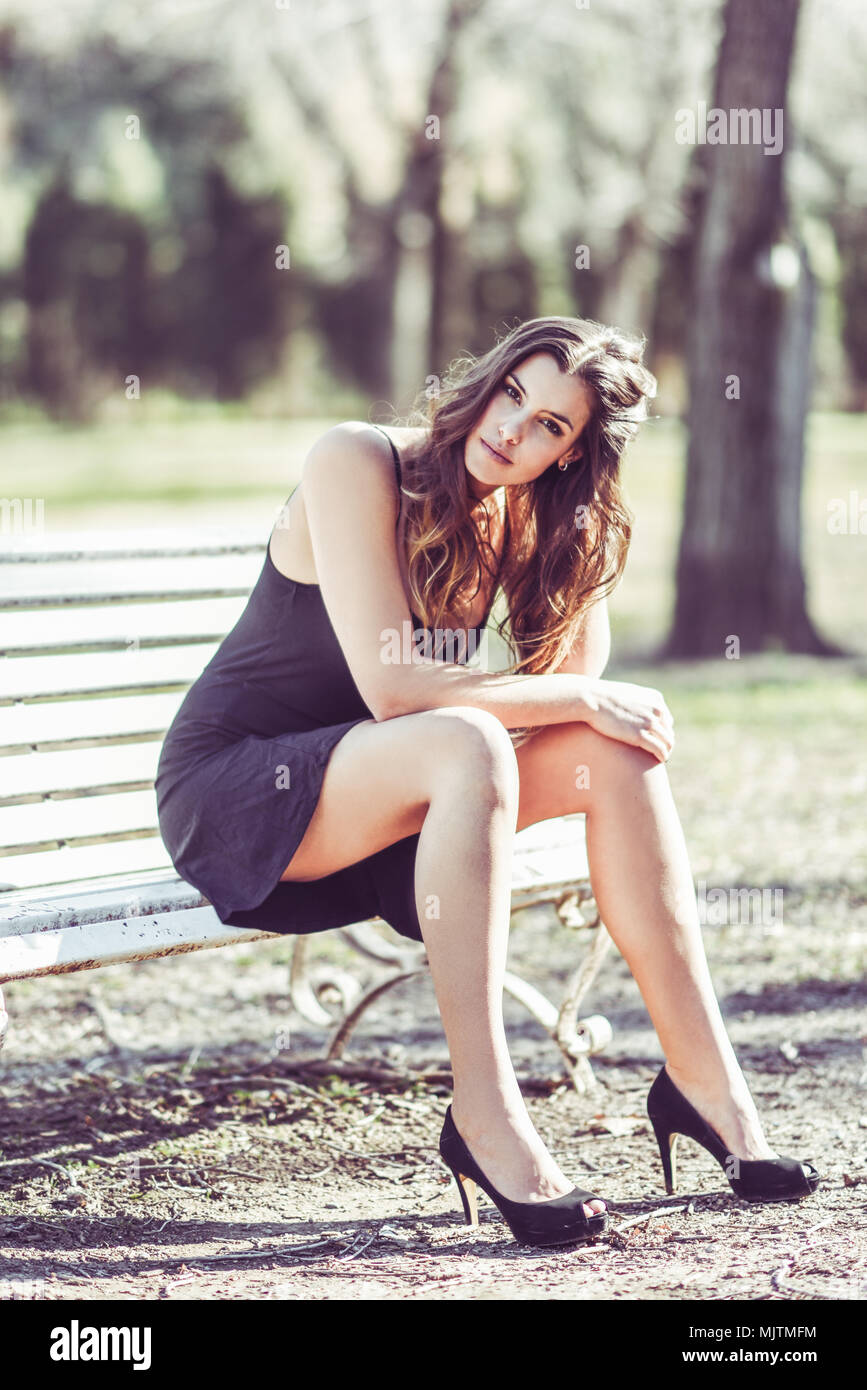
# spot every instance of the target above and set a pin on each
(534, 418)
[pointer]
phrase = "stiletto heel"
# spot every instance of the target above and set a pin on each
(560, 1221)
(469, 1198)
(668, 1153)
(755, 1180)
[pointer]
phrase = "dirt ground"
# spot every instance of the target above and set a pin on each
(202, 1153)
(170, 1132)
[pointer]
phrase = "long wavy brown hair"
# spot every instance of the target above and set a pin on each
(567, 533)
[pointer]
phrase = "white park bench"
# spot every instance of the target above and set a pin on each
(100, 637)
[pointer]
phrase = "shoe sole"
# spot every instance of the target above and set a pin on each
(583, 1239)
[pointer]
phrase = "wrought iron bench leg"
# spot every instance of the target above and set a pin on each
(591, 1035)
(305, 984)
(576, 1039)
(341, 1037)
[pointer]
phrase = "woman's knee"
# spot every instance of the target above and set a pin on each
(473, 744)
(614, 759)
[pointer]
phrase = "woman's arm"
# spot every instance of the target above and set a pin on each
(589, 656)
(352, 506)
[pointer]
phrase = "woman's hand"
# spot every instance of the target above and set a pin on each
(635, 714)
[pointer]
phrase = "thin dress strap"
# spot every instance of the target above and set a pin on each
(394, 454)
(396, 458)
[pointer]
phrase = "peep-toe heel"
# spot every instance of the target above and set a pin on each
(754, 1180)
(560, 1221)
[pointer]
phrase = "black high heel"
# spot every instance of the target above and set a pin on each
(560, 1221)
(755, 1180)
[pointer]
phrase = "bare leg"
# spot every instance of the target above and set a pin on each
(642, 882)
(651, 913)
(463, 872)
(450, 775)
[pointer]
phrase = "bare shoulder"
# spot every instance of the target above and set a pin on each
(361, 436)
(349, 466)
(351, 460)
(349, 437)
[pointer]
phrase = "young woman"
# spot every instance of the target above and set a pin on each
(310, 779)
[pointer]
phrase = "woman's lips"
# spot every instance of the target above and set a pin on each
(499, 457)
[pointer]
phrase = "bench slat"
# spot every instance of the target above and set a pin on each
(550, 852)
(68, 865)
(50, 824)
(98, 898)
(102, 887)
(109, 629)
(83, 771)
(46, 547)
(26, 677)
(108, 943)
(26, 584)
(104, 817)
(84, 817)
(559, 865)
(55, 724)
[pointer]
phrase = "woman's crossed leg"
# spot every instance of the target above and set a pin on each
(453, 776)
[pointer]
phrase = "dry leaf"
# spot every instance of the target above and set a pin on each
(619, 1125)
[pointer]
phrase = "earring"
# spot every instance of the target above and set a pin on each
(563, 465)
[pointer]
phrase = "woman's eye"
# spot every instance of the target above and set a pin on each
(550, 425)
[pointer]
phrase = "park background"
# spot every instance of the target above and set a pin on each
(227, 226)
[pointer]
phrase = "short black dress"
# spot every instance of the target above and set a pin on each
(242, 764)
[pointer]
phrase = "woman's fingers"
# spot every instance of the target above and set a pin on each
(664, 715)
(636, 714)
(657, 743)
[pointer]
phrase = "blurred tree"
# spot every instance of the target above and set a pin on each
(503, 279)
(224, 309)
(383, 316)
(420, 206)
(439, 165)
(100, 305)
(739, 572)
(84, 280)
(850, 229)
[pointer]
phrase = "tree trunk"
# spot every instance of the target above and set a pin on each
(740, 583)
(418, 333)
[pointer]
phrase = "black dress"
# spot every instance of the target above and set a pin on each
(242, 765)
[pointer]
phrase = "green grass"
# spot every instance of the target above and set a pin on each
(816, 699)
(835, 566)
(212, 463)
(185, 461)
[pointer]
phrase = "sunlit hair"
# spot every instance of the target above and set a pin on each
(567, 532)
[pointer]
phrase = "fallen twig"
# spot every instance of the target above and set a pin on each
(237, 1172)
(258, 1254)
(649, 1216)
(317, 1174)
(351, 1254)
(272, 1081)
(70, 1177)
